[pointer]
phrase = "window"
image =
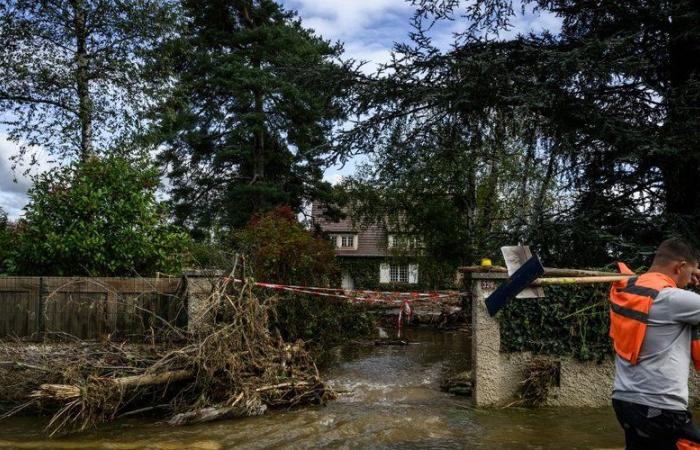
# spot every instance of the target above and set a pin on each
(347, 241)
(403, 242)
(344, 241)
(398, 274)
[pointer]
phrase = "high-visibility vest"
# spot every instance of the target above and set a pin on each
(630, 302)
(683, 444)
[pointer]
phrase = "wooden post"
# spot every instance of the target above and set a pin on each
(40, 320)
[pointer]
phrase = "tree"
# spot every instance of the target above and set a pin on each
(4, 239)
(97, 217)
(462, 192)
(73, 70)
(607, 107)
(280, 250)
(249, 122)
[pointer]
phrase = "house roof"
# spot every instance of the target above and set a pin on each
(371, 239)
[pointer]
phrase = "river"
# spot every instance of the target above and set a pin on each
(389, 399)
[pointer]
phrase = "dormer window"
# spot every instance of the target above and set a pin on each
(344, 241)
(347, 241)
(403, 242)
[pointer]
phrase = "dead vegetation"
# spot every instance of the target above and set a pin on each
(232, 365)
(540, 375)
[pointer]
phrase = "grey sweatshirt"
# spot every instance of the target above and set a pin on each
(660, 377)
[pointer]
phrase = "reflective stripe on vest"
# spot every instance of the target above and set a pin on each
(632, 288)
(630, 302)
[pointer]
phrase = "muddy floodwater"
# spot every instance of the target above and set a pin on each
(389, 399)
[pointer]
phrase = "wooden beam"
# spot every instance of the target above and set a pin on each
(548, 271)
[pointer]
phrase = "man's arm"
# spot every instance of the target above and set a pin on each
(686, 306)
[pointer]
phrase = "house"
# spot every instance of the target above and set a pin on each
(370, 256)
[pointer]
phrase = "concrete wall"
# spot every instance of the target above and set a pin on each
(497, 376)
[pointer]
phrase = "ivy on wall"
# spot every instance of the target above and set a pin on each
(569, 321)
(365, 273)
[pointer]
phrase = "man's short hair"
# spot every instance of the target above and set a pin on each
(675, 249)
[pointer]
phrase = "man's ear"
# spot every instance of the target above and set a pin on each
(680, 266)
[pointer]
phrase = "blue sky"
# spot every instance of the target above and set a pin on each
(368, 28)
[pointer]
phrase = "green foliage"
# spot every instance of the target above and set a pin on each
(323, 322)
(72, 72)
(431, 274)
(570, 321)
(280, 250)
(581, 141)
(461, 194)
(98, 218)
(249, 123)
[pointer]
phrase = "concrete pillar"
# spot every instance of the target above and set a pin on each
(489, 374)
(497, 376)
(200, 284)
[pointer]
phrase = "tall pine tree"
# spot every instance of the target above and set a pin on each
(249, 123)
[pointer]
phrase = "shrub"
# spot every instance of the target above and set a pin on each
(280, 250)
(4, 239)
(99, 217)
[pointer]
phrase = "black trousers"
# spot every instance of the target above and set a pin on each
(648, 428)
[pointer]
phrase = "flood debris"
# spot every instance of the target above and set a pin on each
(458, 384)
(540, 374)
(230, 366)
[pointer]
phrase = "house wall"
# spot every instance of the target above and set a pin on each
(365, 274)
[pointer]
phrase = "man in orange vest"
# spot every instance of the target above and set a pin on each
(652, 321)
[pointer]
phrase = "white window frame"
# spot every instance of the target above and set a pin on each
(347, 241)
(407, 242)
(341, 241)
(398, 273)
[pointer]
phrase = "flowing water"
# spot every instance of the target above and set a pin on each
(389, 399)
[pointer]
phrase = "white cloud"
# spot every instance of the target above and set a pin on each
(368, 28)
(333, 178)
(351, 19)
(14, 184)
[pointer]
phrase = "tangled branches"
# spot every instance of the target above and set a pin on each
(230, 365)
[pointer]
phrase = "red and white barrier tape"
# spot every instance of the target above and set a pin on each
(356, 295)
(399, 298)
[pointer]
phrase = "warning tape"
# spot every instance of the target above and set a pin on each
(404, 299)
(357, 295)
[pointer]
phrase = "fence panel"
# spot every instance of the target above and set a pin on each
(91, 308)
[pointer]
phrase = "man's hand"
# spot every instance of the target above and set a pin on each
(695, 277)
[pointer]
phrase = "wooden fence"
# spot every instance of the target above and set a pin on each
(91, 308)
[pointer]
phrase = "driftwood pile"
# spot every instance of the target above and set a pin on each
(231, 366)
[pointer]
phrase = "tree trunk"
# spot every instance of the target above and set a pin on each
(259, 157)
(82, 80)
(258, 106)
